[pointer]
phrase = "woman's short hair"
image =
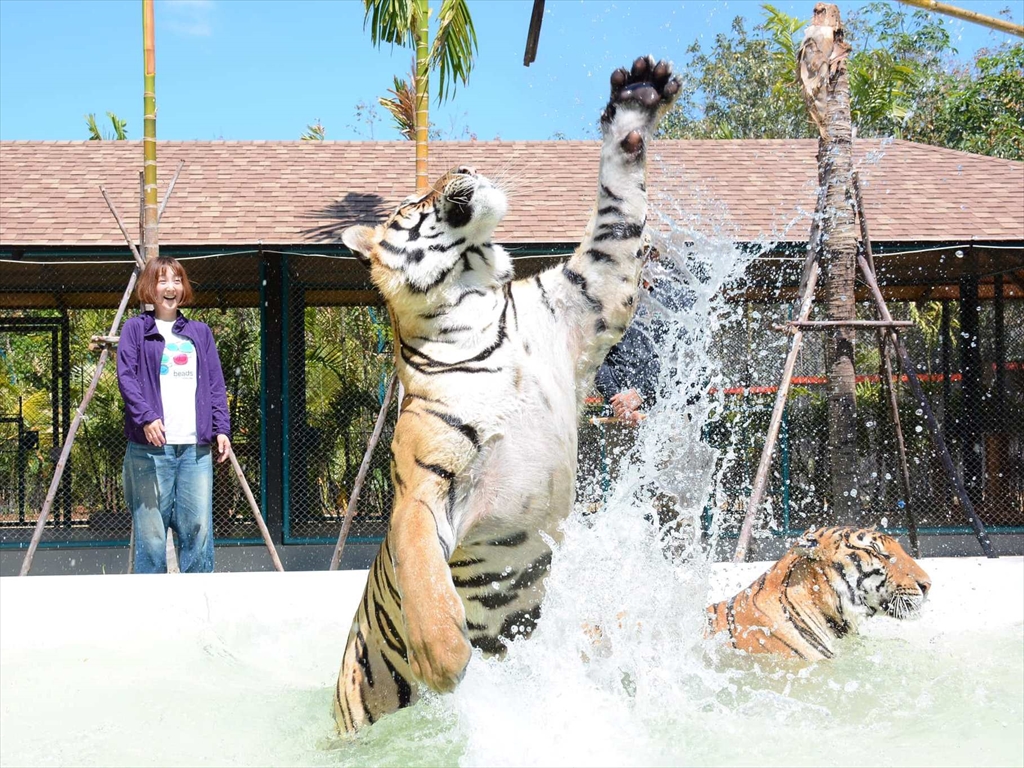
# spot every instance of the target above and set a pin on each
(145, 289)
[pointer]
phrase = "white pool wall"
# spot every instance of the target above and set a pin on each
(45, 612)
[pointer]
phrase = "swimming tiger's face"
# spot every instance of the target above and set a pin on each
(870, 567)
(418, 247)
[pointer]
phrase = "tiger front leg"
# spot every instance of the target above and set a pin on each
(606, 268)
(421, 529)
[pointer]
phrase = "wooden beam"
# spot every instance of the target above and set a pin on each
(533, 35)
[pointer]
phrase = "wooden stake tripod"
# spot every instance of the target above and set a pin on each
(887, 332)
(105, 344)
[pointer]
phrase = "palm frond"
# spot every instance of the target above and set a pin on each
(94, 130)
(782, 27)
(315, 131)
(454, 46)
(120, 134)
(402, 106)
(390, 21)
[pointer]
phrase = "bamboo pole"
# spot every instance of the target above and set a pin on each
(151, 240)
(69, 440)
(964, 15)
(255, 510)
(422, 32)
(933, 425)
(761, 478)
(357, 487)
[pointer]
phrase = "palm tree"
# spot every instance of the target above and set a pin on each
(407, 23)
(119, 125)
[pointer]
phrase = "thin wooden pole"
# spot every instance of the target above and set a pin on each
(255, 511)
(69, 440)
(533, 34)
(933, 425)
(843, 324)
(357, 487)
(962, 13)
(901, 449)
(170, 188)
(120, 224)
(885, 372)
(761, 478)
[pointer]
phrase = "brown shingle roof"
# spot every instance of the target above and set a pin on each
(304, 193)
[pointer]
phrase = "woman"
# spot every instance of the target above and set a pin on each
(175, 409)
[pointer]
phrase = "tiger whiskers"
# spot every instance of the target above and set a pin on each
(904, 604)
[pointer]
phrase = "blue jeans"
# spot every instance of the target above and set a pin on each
(170, 486)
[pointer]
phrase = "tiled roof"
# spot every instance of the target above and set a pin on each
(305, 193)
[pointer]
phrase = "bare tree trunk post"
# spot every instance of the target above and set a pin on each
(839, 253)
(826, 90)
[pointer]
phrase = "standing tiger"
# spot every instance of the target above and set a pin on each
(818, 591)
(494, 371)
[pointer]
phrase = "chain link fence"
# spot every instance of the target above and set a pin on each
(982, 423)
(327, 382)
(339, 361)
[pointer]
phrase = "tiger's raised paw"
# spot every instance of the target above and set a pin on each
(647, 87)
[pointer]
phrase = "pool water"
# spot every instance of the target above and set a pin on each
(238, 669)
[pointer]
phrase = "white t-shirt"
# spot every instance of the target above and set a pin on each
(178, 375)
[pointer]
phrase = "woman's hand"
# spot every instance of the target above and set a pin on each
(223, 448)
(154, 432)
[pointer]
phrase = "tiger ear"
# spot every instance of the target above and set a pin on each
(360, 240)
(807, 545)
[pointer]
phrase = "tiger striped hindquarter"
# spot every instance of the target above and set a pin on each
(818, 591)
(494, 371)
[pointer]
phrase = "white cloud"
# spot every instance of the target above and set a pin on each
(187, 17)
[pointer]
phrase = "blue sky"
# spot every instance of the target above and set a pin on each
(261, 69)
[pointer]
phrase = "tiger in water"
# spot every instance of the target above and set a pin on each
(494, 370)
(817, 592)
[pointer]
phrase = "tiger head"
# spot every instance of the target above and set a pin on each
(444, 233)
(867, 569)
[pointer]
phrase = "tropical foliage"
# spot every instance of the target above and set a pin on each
(905, 82)
(118, 126)
(406, 23)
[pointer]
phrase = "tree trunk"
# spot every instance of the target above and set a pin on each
(150, 239)
(839, 267)
(422, 94)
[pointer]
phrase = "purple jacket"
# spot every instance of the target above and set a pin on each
(138, 376)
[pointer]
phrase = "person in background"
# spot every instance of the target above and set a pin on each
(628, 377)
(176, 416)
